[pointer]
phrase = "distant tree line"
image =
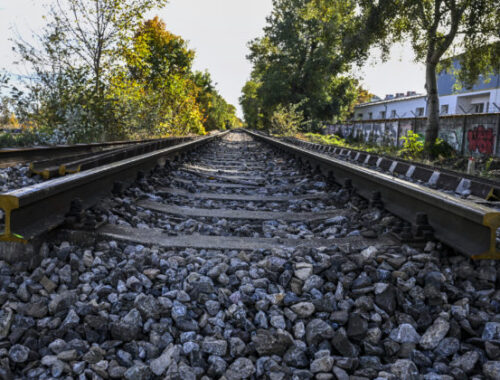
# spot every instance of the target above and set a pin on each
(304, 61)
(100, 71)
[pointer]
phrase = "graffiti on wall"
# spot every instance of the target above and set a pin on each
(404, 127)
(452, 137)
(481, 139)
(391, 133)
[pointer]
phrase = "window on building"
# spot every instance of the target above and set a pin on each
(382, 114)
(370, 115)
(444, 109)
(393, 114)
(477, 107)
(420, 111)
(360, 116)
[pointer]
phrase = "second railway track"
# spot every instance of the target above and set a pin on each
(242, 262)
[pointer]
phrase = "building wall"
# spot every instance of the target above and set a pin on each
(403, 107)
(446, 82)
(458, 104)
(469, 135)
(462, 101)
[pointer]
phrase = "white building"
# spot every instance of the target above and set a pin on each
(483, 97)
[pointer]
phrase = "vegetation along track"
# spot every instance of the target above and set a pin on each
(238, 262)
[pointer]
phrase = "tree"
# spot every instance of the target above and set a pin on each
(71, 63)
(94, 29)
(435, 28)
(153, 92)
(300, 60)
(251, 104)
(217, 113)
(157, 53)
(364, 96)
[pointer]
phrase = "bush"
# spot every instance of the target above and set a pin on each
(286, 120)
(442, 149)
(413, 146)
(325, 139)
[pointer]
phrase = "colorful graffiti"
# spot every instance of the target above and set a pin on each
(481, 140)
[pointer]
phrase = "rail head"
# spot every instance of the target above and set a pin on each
(475, 225)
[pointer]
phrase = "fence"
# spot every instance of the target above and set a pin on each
(469, 135)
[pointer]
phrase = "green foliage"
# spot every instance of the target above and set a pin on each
(435, 29)
(153, 94)
(413, 145)
(102, 72)
(442, 149)
(251, 104)
(8, 139)
(286, 120)
(326, 139)
(300, 61)
(217, 113)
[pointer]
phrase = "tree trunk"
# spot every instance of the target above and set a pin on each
(431, 132)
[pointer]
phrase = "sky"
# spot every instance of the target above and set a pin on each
(218, 30)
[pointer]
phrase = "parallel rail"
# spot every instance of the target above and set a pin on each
(33, 210)
(468, 227)
(482, 188)
(14, 156)
(70, 165)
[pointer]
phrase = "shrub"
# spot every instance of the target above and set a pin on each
(286, 120)
(442, 149)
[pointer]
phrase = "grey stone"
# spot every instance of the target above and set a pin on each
(148, 306)
(236, 347)
(435, 334)
(296, 356)
(269, 343)
(128, 328)
(303, 270)
(405, 333)
(303, 309)
(138, 372)
(343, 345)
(357, 326)
(491, 331)
(492, 370)
(19, 353)
(466, 362)
(62, 302)
(159, 365)
(214, 346)
(340, 373)
(323, 364)
(386, 299)
(241, 368)
(447, 347)
(6, 318)
(318, 330)
(405, 369)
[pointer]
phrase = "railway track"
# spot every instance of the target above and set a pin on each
(428, 199)
(236, 260)
(14, 156)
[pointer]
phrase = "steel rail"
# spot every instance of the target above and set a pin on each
(71, 165)
(467, 227)
(13, 156)
(33, 210)
(484, 188)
